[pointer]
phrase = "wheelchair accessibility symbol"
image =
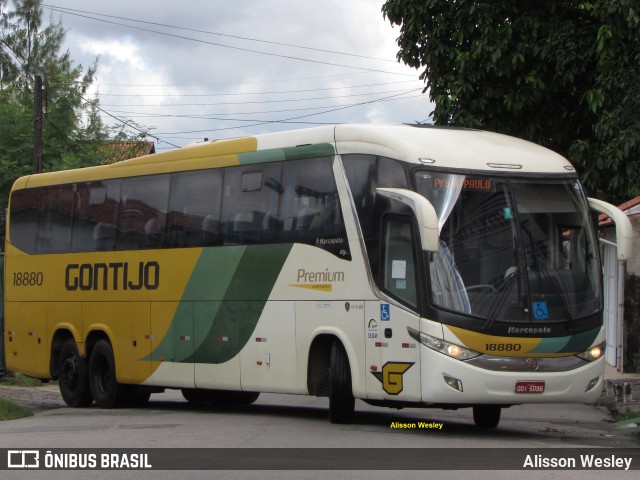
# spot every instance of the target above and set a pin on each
(385, 312)
(540, 311)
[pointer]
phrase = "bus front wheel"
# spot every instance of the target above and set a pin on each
(72, 376)
(341, 401)
(486, 416)
(106, 391)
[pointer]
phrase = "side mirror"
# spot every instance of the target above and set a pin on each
(624, 230)
(424, 212)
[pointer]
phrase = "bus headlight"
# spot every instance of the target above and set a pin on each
(450, 349)
(594, 353)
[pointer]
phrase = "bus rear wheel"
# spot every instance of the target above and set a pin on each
(341, 400)
(72, 376)
(106, 391)
(486, 416)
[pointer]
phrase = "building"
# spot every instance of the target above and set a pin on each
(116, 151)
(622, 294)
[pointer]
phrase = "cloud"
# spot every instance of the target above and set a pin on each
(191, 84)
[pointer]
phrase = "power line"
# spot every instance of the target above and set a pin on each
(131, 114)
(236, 94)
(17, 57)
(126, 123)
(291, 119)
(256, 82)
(77, 12)
(182, 37)
(259, 102)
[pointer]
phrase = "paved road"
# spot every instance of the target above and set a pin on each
(283, 421)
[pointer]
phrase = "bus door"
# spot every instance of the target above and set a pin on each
(392, 355)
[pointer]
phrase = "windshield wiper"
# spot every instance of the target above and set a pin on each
(498, 303)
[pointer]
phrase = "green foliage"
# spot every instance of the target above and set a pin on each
(20, 380)
(561, 73)
(72, 130)
(12, 411)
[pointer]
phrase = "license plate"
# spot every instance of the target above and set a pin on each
(530, 387)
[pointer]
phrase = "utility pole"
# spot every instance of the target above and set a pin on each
(37, 125)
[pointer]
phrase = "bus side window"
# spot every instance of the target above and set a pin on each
(143, 211)
(25, 209)
(56, 216)
(194, 208)
(96, 214)
(250, 203)
(398, 261)
(310, 207)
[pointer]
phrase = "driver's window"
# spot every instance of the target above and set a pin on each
(398, 261)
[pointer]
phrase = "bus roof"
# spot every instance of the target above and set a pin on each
(437, 146)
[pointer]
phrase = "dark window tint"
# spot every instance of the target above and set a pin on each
(95, 222)
(194, 208)
(398, 264)
(143, 212)
(25, 211)
(56, 215)
(250, 207)
(365, 173)
(232, 206)
(310, 206)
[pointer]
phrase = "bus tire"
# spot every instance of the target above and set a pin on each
(73, 379)
(195, 395)
(136, 396)
(341, 400)
(486, 416)
(106, 391)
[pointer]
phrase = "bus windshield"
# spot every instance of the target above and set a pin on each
(512, 250)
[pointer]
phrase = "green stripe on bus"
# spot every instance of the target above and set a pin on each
(291, 153)
(570, 344)
(581, 342)
(222, 302)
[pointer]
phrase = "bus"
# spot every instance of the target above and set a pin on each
(400, 265)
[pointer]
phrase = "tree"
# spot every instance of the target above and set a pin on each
(561, 73)
(72, 130)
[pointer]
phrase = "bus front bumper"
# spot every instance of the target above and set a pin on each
(446, 380)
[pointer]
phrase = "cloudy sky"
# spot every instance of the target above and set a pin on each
(216, 68)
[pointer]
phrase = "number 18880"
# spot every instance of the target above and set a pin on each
(28, 279)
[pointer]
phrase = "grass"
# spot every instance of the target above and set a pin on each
(627, 421)
(12, 411)
(19, 380)
(626, 416)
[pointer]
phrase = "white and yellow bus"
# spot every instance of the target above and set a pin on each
(399, 265)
